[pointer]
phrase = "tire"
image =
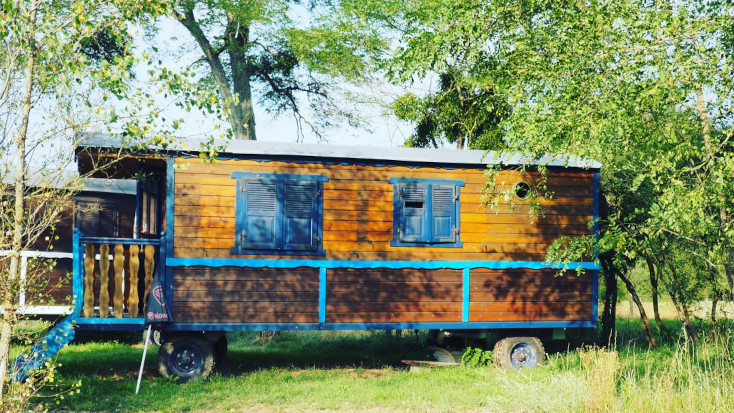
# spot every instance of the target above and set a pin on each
(518, 352)
(220, 349)
(186, 357)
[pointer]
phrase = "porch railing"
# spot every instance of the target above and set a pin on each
(113, 276)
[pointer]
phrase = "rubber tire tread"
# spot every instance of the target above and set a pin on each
(166, 349)
(503, 348)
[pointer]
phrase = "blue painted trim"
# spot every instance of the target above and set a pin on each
(138, 209)
(316, 253)
(457, 244)
(595, 295)
(322, 295)
(140, 321)
(380, 326)
(170, 200)
(278, 177)
(276, 263)
(128, 324)
(123, 241)
(456, 182)
(466, 288)
(162, 271)
(77, 277)
(597, 177)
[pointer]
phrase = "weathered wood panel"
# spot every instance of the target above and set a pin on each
(54, 287)
(393, 295)
(245, 295)
(529, 295)
(358, 212)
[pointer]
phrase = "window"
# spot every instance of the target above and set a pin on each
(425, 212)
(278, 214)
(97, 218)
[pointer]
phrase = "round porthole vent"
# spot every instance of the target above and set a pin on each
(521, 190)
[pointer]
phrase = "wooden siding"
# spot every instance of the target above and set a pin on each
(397, 296)
(529, 295)
(358, 212)
(245, 295)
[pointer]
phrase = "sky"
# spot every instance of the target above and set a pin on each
(177, 48)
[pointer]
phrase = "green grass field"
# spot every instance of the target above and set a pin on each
(360, 371)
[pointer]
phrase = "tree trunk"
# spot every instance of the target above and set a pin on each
(237, 37)
(5, 334)
(714, 303)
(679, 303)
(655, 303)
(609, 315)
(649, 335)
(241, 118)
(16, 245)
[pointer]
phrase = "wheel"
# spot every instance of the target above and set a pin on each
(220, 349)
(518, 352)
(188, 357)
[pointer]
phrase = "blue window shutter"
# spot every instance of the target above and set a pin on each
(261, 213)
(414, 225)
(443, 213)
(300, 217)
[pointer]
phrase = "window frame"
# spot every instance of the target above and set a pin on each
(398, 206)
(280, 214)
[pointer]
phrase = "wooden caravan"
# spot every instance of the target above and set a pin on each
(273, 236)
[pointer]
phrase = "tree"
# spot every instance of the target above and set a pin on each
(468, 118)
(65, 68)
(255, 46)
(643, 87)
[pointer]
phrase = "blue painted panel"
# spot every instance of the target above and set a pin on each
(443, 213)
(322, 295)
(170, 201)
(597, 177)
(276, 263)
(413, 202)
(466, 286)
(123, 241)
(77, 286)
(381, 326)
(109, 321)
(455, 182)
(131, 325)
(279, 177)
(300, 216)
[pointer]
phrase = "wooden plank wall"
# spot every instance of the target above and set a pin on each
(358, 212)
(246, 295)
(529, 295)
(377, 295)
(393, 295)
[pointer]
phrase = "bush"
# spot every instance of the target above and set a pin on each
(477, 357)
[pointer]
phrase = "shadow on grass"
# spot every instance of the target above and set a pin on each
(324, 350)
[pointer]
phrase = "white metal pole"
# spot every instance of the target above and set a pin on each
(142, 362)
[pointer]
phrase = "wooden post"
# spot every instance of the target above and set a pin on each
(133, 297)
(104, 285)
(117, 264)
(149, 265)
(88, 280)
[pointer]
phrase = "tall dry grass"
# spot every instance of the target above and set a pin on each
(686, 379)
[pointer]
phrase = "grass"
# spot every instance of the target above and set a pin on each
(350, 371)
